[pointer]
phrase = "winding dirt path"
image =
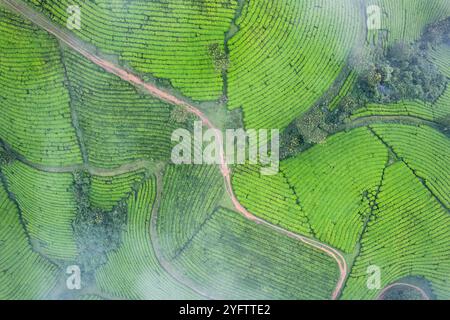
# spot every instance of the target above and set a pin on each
(89, 52)
(157, 250)
(400, 284)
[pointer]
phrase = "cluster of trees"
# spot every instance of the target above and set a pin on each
(97, 231)
(219, 57)
(311, 128)
(400, 72)
(179, 115)
(5, 156)
(436, 34)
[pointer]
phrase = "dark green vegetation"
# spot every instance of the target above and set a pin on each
(407, 289)
(403, 72)
(402, 293)
(97, 231)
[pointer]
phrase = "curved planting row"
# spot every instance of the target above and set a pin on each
(35, 115)
(286, 54)
(347, 86)
(336, 184)
(118, 124)
(133, 271)
(91, 297)
(25, 274)
(417, 109)
(190, 194)
(169, 39)
(234, 258)
(47, 206)
(270, 198)
(405, 19)
(441, 57)
(443, 103)
(426, 151)
(409, 237)
(105, 192)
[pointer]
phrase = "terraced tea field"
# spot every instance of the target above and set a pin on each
(93, 206)
(285, 56)
(33, 79)
(167, 39)
(405, 19)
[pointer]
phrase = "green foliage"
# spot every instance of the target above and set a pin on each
(402, 73)
(426, 151)
(166, 39)
(35, 117)
(405, 20)
(179, 115)
(416, 109)
(182, 211)
(219, 57)
(437, 33)
(5, 156)
(271, 198)
(106, 192)
(97, 231)
(313, 127)
(118, 124)
(331, 181)
(234, 119)
(291, 141)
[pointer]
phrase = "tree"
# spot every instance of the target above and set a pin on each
(179, 115)
(311, 126)
(5, 156)
(97, 231)
(219, 57)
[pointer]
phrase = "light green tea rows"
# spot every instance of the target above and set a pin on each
(48, 208)
(35, 116)
(408, 237)
(25, 274)
(286, 55)
(236, 259)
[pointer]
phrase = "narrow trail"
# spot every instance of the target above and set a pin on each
(82, 48)
(137, 165)
(157, 247)
(400, 284)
